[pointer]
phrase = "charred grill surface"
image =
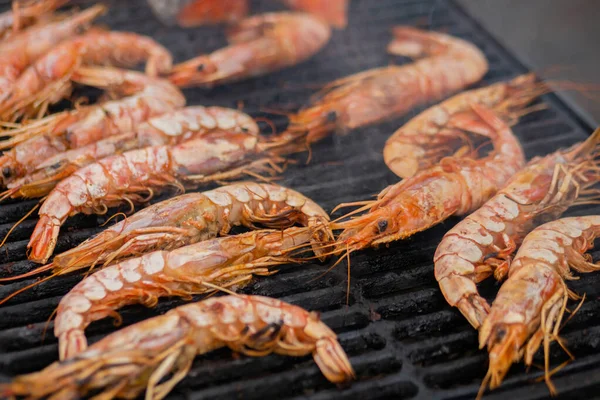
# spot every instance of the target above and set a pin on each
(403, 340)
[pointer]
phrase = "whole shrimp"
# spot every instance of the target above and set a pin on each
(457, 186)
(530, 305)
(448, 64)
(170, 128)
(146, 97)
(26, 13)
(200, 12)
(482, 244)
(332, 11)
(136, 175)
(193, 217)
(259, 44)
(143, 355)
(48, 79)
(428, 137)
(225, 262)
(23, 48)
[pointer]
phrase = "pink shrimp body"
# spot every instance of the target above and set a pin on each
(457, 186)
(194, 217)
(140, 356)
(48, 78)
(200, 12)
(430, 136)
(530, 304)
(484, 241)
(170, 128)
(259, 44)
(227, 262)
(333, 11)
(147, 97)
(113, 180)
(23, 48)
(449, 64)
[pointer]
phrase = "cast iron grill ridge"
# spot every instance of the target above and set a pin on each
(401, 337)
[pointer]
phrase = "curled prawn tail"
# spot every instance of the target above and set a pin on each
(196, 71)
(43, 239)
(333, 361)
(458, 279)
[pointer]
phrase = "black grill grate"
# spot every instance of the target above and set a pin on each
(402, 338)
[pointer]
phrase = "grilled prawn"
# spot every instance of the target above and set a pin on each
(48, 79)
(259, 44)
(170, 128)
(146, 97)
(225, 262)
(26, 47)
(530, 305)
(429, 137)
(483, 243)
(457, 186)
(447, 64)
(143, 355)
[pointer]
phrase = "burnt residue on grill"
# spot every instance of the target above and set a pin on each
(401, 337)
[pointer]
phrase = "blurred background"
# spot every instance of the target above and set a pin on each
(559, 39)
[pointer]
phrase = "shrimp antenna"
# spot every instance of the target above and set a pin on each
(24, 289)
(47, 324)
(114, 216)
(8, 193)
(484, 384)
(338, 261)
(268, 122)
(21, 220)
(33, 272)
(354, 203)
(219, 288)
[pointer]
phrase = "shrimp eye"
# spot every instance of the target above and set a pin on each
(6, 172)
(382, 225)
(500, 333)
(331, 116)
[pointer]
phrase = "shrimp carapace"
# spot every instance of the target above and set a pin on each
(446, 65)
(259, 44)
(483, 243)
(24, 48)
(530, 305)
(48, 79)
(143, 355)
(170, 128)
(430, 136)
(201, 12)
(335, 12)
(226, 262)
(146, 97)
(457, 186)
